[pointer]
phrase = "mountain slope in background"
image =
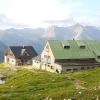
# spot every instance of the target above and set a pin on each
(76, 31)
(3, 47)
(38, 37)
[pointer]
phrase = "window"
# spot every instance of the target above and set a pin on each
(7, 59)
(75, 69)
(82, 46)
(57, 71)
(65, 44)
(82, 68)
(98, 57)
(66, 47)
(47, 48)
(93, 67)
(68, 69)
(52, 67)
(88, 68)
(45, 56)
(26, 54)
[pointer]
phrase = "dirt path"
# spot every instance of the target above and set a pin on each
(77, 84)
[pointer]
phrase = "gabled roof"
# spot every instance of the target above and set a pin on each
(19, 51)
(91, 50)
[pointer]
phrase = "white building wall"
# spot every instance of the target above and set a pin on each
(5, 59)
(29, 62)
(43, 67)
(58, 67)
(12, 61)
(47, 64)
(36, 64)
(47, 52)
(54, 68)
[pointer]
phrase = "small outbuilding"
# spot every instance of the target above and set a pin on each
(19, 55)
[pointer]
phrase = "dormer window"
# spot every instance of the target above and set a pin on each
(24, 52)
(66, 47)
(81, 44)
(98, 57)
(65, 44)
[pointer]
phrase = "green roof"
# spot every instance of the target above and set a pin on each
(80, 43)
(65, 43)
(91, 50)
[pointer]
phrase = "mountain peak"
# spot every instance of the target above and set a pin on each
(78, 25)
(77, 30)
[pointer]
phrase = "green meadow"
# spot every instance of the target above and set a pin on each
(24, 84)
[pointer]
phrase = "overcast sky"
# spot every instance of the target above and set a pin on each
(41, 13)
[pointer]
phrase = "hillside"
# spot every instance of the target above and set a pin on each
(23, 84)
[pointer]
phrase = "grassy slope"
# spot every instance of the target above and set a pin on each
(38, 85)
